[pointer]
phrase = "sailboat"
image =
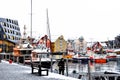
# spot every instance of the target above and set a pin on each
(43, 50)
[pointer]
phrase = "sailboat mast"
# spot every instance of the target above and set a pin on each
(31, 22)
(49, 36)
(48, 29)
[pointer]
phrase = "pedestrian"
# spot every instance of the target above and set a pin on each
(61, 66)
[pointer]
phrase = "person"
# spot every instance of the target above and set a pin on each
(61, 66)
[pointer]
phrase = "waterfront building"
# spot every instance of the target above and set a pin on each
(80, 45)
(60, 45)
(9, 34)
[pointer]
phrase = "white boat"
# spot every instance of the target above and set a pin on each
(41, 56)
(112, 56)
(117, 51)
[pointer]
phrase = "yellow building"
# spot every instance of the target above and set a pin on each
(60, 45)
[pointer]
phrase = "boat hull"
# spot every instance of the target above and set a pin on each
(81, 60)
(101, 60)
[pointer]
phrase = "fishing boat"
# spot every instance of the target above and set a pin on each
(111, 56)
(100, 58)
(22, 52)
(80, 59)
(41, 56)
(117, 51)
(106, 76)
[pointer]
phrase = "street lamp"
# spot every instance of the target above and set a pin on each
(81, 44)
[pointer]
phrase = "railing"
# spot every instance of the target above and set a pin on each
(106, 76)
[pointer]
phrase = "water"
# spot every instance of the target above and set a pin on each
(111, 66)
(75, 69)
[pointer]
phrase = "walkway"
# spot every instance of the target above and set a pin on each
(20, 72)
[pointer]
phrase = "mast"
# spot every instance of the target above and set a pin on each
(48, 29)
(49, 37)
(31, 22)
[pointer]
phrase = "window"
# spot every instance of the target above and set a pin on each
(8, 31)
(5, 30)
(7, 20)
(12, 21)
(0, 29)
(4, 24)
(7, 25)
(8, 37)
(12, 37)
(13, 27)
(4, 36)
(10, 26)
(13, 32)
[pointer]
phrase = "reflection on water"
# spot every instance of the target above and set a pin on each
(118, 64)
(111, 66)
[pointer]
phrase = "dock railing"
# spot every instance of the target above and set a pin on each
(106, 76)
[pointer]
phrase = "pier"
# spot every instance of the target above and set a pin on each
(16, 71)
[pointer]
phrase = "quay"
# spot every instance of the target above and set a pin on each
(20, 71)
(13, 71)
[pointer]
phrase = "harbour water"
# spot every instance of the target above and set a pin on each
(76, 69)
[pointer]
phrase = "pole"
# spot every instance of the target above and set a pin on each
(51, 62)
(48, 26)
(89, 74)
(31, 22)
(67, 66)
(79, 65)
(49, 36)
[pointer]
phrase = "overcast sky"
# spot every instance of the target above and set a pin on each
(92, 19)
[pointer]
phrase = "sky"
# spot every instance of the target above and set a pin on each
(95, 20)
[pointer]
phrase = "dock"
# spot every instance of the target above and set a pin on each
(14, 71)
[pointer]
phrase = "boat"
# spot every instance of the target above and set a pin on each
(42, 51)
(22, 52)
(80, 58)
(117, 51)
(41, 56)
(100, 58)
(99, 53)
(107, 76)
(111, 56)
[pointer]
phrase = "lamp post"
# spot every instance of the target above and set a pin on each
(81, 49)
(81, 43)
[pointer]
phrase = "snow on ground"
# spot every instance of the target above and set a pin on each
(15, 71)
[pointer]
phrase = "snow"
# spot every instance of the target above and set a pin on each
(27, 70)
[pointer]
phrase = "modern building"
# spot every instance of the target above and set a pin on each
(9, 34)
